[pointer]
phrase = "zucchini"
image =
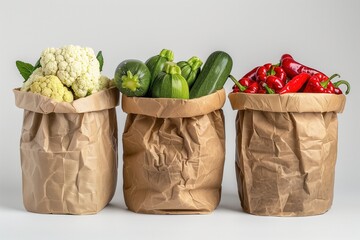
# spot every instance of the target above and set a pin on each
(156, 63)
(213, 76)
(170, 83)
(190, 69)
(132, 78)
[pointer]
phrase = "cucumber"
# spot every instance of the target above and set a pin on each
(213, 76)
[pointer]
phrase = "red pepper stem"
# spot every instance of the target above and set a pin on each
(338, 83)
(326, 83)
(268, 90)
(241, 87)
(272, 70)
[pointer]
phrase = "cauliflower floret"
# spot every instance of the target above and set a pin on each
(84, 86)
(68, 95)
(48, 61)
(104, 83)
(33, 77)
(75, 66)
(51, 86)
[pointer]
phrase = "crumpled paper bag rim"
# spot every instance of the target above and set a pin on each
(174, 108)
(102, 100)
(291, 102)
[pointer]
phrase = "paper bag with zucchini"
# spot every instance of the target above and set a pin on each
(174, 152)
(68, 152)
(286, 148)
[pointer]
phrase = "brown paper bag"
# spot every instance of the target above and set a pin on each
(174, 152)
(68, 152)
(286, 152)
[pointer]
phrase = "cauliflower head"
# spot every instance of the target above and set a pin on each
(51, 86)
(76, 67)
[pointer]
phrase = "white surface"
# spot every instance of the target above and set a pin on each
(227, 222)
(323, 34)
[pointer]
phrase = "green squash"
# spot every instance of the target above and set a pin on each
(170, 83)
(190, 69)
(156, 63)
(132, 78)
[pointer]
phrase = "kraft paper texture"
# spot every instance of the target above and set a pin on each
(174, 152)
(68, 152)
(286, 152)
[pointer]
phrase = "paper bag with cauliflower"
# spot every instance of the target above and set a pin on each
(69, 138)
(68, 152)
(286, 148)
(174, 152)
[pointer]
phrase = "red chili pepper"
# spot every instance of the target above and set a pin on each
(274, 83)
(337, 90)
(245, 81)
(276, 74)
(245, 85)
(268, 89)
(280, 73)
(262, 72)
(253, 88)
(238, 86)
(251, 74)
(320, 83)
(261, 90)
(293, 68)
(331, 87)
(295, 84)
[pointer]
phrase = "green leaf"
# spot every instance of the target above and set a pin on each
(100, 58)
(25, 69)
(37, 64)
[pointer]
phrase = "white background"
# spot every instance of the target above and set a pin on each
(324, 34)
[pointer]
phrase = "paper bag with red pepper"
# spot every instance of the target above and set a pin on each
(174, 152)
(68, 152)
(286, 148)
